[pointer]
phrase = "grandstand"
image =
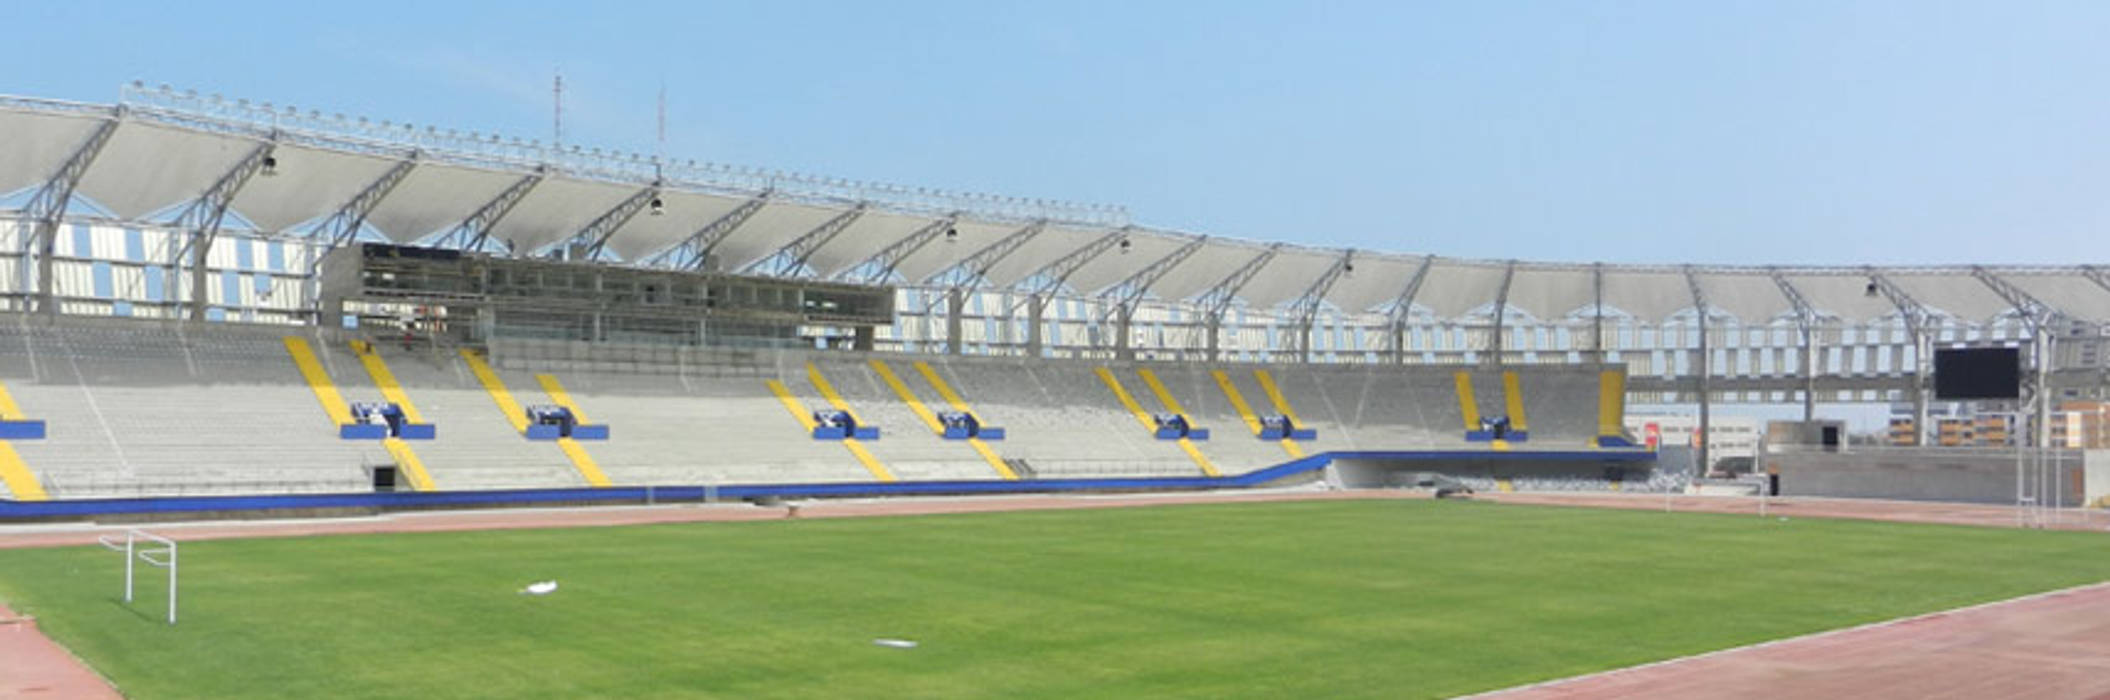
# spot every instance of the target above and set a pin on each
(161, 252)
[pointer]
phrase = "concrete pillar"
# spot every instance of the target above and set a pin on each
(1035, 308)
(953, 301)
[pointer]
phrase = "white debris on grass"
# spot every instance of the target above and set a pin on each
(895, 643)
(540, 588)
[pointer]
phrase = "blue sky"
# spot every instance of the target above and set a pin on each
(1791, 132)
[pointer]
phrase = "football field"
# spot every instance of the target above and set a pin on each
(1379, 598)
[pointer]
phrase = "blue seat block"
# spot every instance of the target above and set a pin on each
(540, 431)
(1271, 433)
(362, 431)
(1304, 434)
(1614, 441)
(989, 433)
(1479, 436)
(21, 430)
(589, 432)
(1197, 433)
(828, 432)
(418, 431)
(867, 432)
(1167, 433)
(956, 432)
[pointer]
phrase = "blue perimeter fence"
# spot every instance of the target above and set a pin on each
(26, 510)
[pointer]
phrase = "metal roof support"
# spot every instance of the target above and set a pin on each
(2097, 275)
(342, 226)
(1402, 307)
(474, 232)
(202, 220)
(794, 255)
(1217, 300)
(1129, 292)
(1306, 308)
(1044, 282)
(967, 274)
(48, 206)
(2041, 319)
(592, 240)
(1916, 317)
(1597, 311)
(1806, 324)
(694, 252)
(877, 268)
(1497, 344)
(1705, 367)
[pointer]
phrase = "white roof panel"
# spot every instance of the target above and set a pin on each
(1378, 279)
(555, 210)
(1109, 269)
(1052, 243)
(146, 167)
(1202, 270)
(871, 234)
(942, 253)
(776, 224)
(1455, 287)
(434, 197)
(2072, 294)
(1551, 293)
(1843, 294)
(1286, 277)
(1753, 297)
(37, 144)
(309, 183)
(1650, 296)
(1963, 297)
(685, 213)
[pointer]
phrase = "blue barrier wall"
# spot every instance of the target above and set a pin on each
(23, 510)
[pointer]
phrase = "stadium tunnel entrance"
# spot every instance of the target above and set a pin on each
(1582, 470)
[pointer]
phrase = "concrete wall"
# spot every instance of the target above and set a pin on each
(1396, 473)
(1956, 475)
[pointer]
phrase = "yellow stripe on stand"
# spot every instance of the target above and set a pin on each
(1193, 453)
(386, 380)
(1158, 388)
(791, 403)
(8, 409)
(497, 389)
(558, 395)
(503, 398)
(15, 473)
(1245, 411)
(333, 405)
(1611, 402)
(1513, 397)
(1466, 404)
(886, 374)
(1143, 417)
(408, 462)
(827, 390)
(1504, 486)
(583, 462)
(944, 389)
(1274, 395)
(857, 449)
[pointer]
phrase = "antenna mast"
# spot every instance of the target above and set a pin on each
(557, 123)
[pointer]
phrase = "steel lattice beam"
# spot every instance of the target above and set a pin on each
(1217, 300)
(970, 271)
(343, 225)
(880, 266)
(793, 256)
(48, 206)
(1805, 321)
(1914, 314)
(2096, 275)
(2037, 314)
(1130, 291)
(592, 239)
(1403, 307)
(1305, 309)
(474, 232)
(201, 219)
(694, 252)
(1052, 276)
(1495, 344)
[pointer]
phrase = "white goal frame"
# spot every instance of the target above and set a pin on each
(155, 550)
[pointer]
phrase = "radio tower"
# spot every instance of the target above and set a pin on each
(557, 124)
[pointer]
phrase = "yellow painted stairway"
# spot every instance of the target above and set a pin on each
(13, 471)
(406, 459)
(1143, 417)
(517, 416)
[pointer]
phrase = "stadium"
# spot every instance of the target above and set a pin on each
(220, 310)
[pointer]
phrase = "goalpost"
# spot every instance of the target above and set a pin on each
(155, 550)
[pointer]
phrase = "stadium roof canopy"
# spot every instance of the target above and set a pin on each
(166, 150)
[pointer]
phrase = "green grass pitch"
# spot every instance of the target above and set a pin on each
(1380, 598)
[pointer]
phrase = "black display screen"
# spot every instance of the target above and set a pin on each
(1978, 373)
